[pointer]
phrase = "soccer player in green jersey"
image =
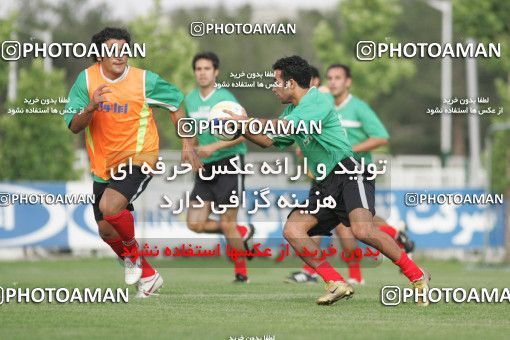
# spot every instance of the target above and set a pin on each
(214, 152)
(332, 151)
(366, 133)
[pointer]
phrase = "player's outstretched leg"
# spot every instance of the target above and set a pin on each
(234, 238)
(148, 286)
(296, 233)
(113, 207)
(307, 274)
(247, 232)
(349, 245)
(242, 236)
(400, 236)
(405, 242)
(198, 221)
(364, 230)
(110, 236)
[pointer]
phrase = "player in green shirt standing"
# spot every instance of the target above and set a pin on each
(354, 198)
(215, 152)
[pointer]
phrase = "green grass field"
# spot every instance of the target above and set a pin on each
(204, 304)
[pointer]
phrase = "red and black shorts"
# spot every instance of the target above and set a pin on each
(348, 193)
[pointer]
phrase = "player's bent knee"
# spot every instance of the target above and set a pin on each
(290, 232)
(195, 226)
(362, 231)
(287, 234)
(107, 208)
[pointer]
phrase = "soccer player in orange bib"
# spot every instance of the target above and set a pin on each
(112, 102)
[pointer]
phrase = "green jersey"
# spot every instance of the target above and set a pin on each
(198, 108)
(360, 121)
(330, 146)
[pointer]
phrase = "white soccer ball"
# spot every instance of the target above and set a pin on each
(220, 128)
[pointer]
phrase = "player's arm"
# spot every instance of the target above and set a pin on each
(79, 108)
(82, 119)
(374, 128)
(370, 144)
(159, 92)
(261, 140)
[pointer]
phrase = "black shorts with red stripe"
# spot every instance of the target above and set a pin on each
(350, 191)
(131, 187)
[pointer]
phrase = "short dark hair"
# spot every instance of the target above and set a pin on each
(295, 68)
(209, 56)
(344, 67)
(109, 33)
(314, 72)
